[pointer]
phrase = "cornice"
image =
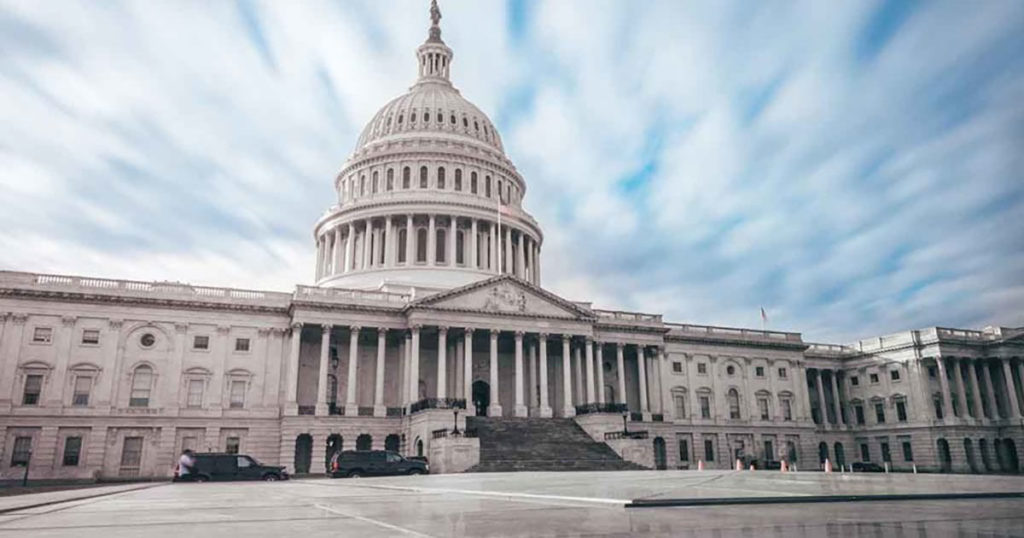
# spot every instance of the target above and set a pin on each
(129, 300)
(795, 346)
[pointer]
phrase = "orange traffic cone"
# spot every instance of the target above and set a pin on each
(784, 467)
(700, 465)
(739, 465)
(828, 466)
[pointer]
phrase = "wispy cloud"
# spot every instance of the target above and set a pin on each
(855, 168)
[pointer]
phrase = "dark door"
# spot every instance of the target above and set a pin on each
(659, 454)
(303, 453)
(481, 397)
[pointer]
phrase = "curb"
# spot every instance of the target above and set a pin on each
(658, 503)
(82, 498)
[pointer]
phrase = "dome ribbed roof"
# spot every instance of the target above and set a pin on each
(430, 108)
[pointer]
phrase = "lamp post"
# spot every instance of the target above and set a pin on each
(625, 426)
(455, 429)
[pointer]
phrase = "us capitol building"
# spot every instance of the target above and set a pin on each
(428, 301)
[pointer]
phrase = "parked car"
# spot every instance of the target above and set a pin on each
(356, 463)
(212, 466)
(867, 467)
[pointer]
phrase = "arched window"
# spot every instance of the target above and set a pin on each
(472, 182)
(465, 122)
(402, 238)
(487, 186)
(453, 119)
(391, 179)
(406, 173)
(393, 442)
(412, 117)
(375, 181)
(362, 185)
(501, 195)
(426, 117)
(734, 403)
(440, 118)
(440, 245)
(400, 116)
(440, 177)
(458, 179)
(460, 249)
(142, 385)
(364, 442)
(421, 245)
(423, 177)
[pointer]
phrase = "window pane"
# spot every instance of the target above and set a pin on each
(33, 387)
(20, 454)
(195, 393)
(72, 449)
(237, 394)
(82, 386)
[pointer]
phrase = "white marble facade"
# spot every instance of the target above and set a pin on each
(428, 292)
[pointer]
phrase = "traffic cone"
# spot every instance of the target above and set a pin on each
(700, 465)
(828, 466)
(739, 465)
(784, 467)
(751, 467)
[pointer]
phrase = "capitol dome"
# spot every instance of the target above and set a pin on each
(428, 200)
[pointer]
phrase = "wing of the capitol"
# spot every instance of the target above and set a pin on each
(428, 333)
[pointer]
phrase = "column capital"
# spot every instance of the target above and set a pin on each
(223, 329)
(519, 335)
(589, 339)
(326, 327)
(113, 323)
(442, 329)
(297, 325)
(566, 338)
(469, 331)
(68, 321)
(495, 333)
(180, 327)
(382, 331)
(543, 336)
(415, 328)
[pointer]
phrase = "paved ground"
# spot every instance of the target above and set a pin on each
(531, 504)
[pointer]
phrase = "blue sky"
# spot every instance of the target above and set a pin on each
(854, 167)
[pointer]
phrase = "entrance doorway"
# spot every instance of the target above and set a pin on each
(334, 444)
(393, 443)
(659, 454)
(303, 453)
(945, 459)
(481, 397)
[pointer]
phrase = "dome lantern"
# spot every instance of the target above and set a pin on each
(435, 58)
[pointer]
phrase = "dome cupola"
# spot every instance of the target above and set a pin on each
(428, 200)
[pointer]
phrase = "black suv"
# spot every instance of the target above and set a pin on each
(220, 466)
(356, 463)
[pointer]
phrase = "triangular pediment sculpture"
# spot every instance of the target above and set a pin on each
(505, 295)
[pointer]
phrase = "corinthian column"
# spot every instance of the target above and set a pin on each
(600, 372)
(1011, 392)
(351, 408)
(321, 386)
(474, 246)
(378, 387)
(467, 368)
(520, 410)
(494, 410)
(545, 408)
(621, 369)
(567, 409)
(442, 362)
(590, 369)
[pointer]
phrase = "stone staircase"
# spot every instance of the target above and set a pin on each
(541, 444)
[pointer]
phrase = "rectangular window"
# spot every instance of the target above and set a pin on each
(684, 450)
(80, 397)
(131, 456)
(677, 367)
(931, 371)
(201, 342)
(769, 450)
(22, 451)
(91, 336)
(865, 452)
(894, 375)
(705, 407)
(237, 394)
(231, 445)
(873, 378)
(886, 456)
(782, 373)
(880, 413)
(787, 410)
(908, 451)
(709, 450)
(854, 380)
(938, 408)
(680, 401)
(42, 335)
(195, 393)
(859, 411)
(762, 406)
(33, 388)
(759, 371)
(72, 450)
(702, 368)
(242, 344)
(901, 411)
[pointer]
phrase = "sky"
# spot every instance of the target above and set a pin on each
(854, 168)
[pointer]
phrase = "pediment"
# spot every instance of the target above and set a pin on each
(506, 295)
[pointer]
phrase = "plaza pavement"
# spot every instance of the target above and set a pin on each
(535, 504)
